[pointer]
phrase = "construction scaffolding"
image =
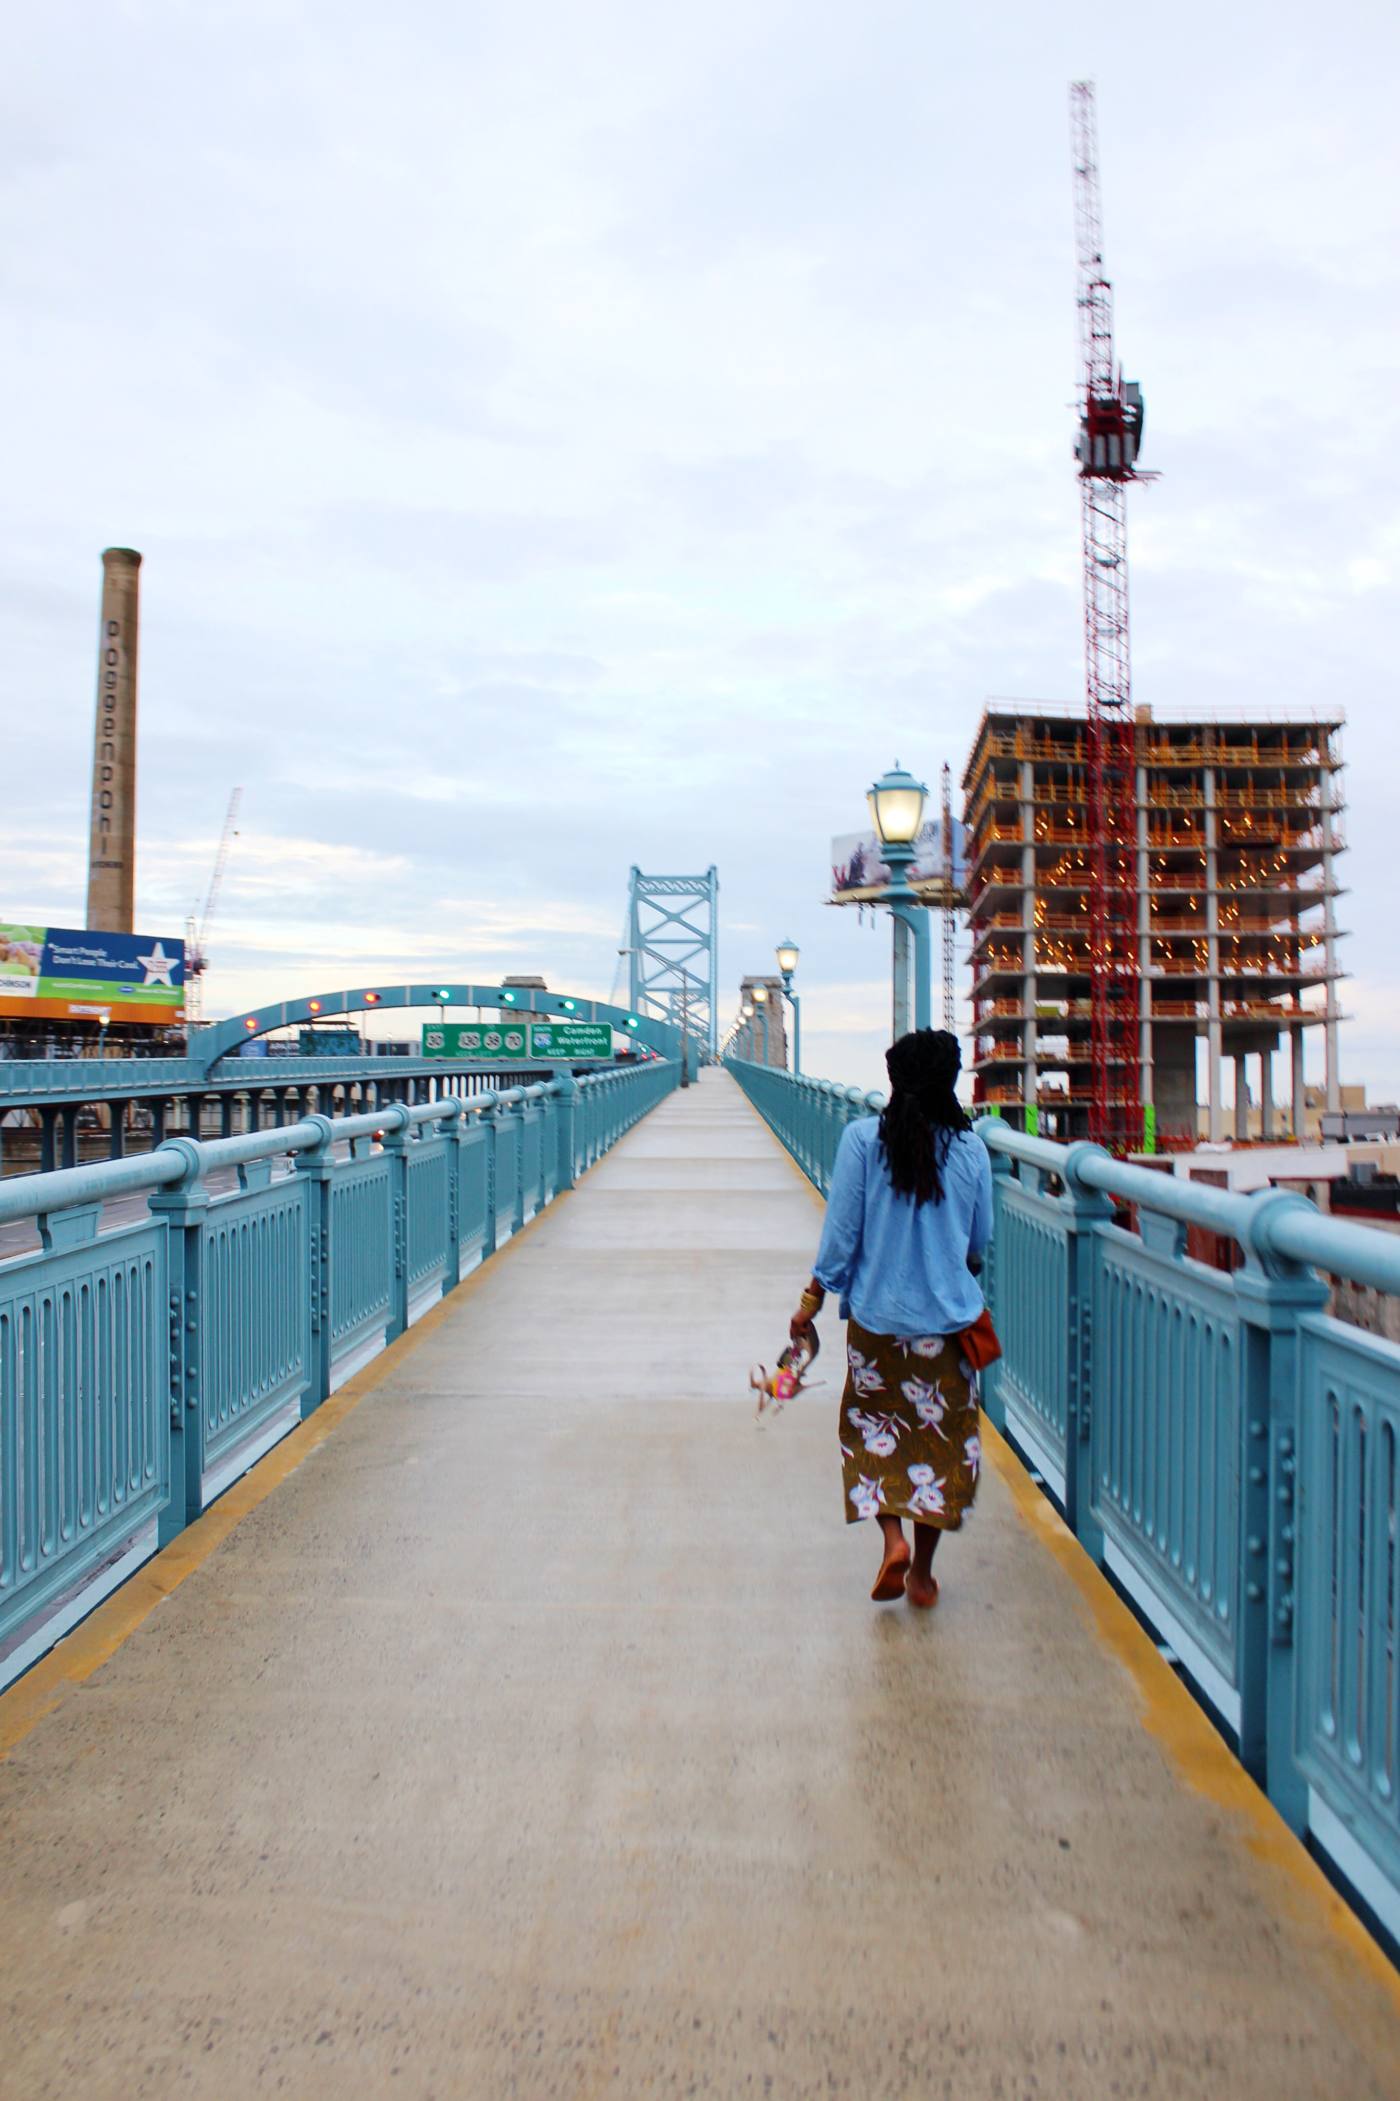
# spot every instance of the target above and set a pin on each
(1237, 829)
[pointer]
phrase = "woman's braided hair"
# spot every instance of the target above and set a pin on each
(923, 1115)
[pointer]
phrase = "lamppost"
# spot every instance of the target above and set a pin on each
(787, 962)
(760, 999)
(897, 805)
(747, 1011)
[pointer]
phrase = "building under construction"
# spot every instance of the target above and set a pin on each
(1238, 828)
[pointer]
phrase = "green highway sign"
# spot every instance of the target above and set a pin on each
(570, 1039)
(495, 1042)
(490, 1041)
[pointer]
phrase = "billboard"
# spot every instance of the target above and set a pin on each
(72, 974)
(495, 1041)
(859, 871)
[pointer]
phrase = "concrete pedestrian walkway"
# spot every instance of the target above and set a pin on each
(535, 1735)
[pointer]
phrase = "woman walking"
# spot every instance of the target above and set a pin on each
(910, 1208)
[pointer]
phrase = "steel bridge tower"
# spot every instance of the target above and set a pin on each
(673, 951)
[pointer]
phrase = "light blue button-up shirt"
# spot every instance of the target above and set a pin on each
(901, 1268)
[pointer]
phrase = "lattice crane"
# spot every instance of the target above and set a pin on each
(1110, 433)
(950, 989)
(197, 928)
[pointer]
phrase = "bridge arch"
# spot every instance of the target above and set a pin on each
(223, 1039)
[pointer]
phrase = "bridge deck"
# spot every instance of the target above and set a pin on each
(536, 1736)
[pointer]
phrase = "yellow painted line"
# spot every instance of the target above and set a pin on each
(45, 1688)
(1169, 1712)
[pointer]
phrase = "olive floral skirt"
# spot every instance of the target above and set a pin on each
(909, 1442)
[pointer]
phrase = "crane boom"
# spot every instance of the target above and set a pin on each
(196, 929)
(1110, 432)
(216, 880)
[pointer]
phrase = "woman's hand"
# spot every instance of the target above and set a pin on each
(808, 1307)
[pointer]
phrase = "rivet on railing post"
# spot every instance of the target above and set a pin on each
(313, 1164)
(1086, 1210)
(182, 1205)
(833, 1123)
(397, 1124)
(993, 1405)
(450, 1123)
(544, 1108)
(1273, 1294)
(488, 1116)
(566, 1105)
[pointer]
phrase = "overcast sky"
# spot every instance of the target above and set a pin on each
(569, 435)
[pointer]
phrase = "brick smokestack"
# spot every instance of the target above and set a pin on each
(111, 901)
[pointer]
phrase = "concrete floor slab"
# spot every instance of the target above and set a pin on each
(536, 1736)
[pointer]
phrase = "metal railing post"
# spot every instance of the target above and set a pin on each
(566, 1108)
(183, 1206)
(834, 1123)
(491, 1124)
(515, 1110)
(1272, 1292)
(993, 1405)
(545, 1105)
(396, 1143)
(1085, 1210)
(316, 1169)
(450, 1124)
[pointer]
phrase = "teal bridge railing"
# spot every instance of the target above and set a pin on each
(1217, 1442)
(218, 1068)
(143, 1368)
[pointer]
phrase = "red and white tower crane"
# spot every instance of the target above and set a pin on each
(950, 989)
(1110, 433)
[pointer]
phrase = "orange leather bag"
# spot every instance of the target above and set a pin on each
(980, 1343)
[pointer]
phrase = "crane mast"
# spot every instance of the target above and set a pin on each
(950, 1002)
(196, 931)
(1110, 432)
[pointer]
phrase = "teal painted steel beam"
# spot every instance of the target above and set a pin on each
(673, 950)
(224, 1037)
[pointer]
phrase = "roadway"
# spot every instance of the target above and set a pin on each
(522, 1726)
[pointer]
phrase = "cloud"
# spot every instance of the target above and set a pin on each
(580, 437)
